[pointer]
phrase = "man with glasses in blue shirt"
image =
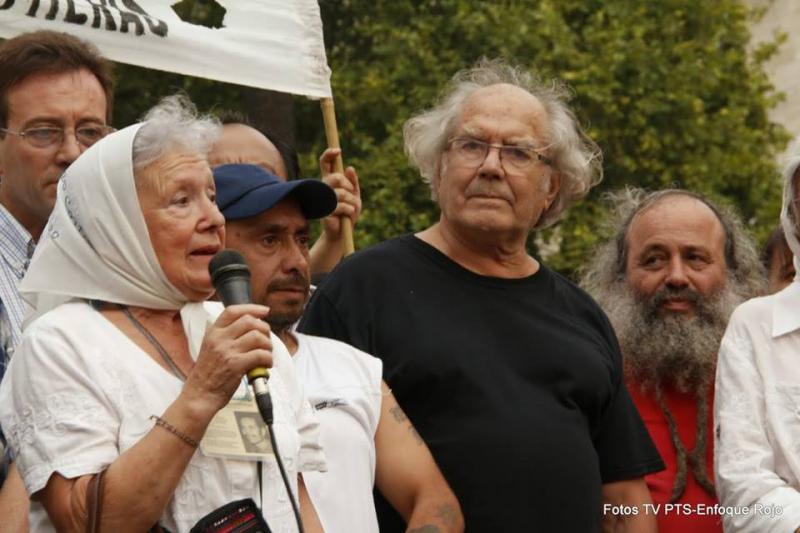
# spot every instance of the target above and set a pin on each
(56, 96)
(510, 373)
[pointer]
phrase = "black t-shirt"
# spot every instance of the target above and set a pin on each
(515, 384)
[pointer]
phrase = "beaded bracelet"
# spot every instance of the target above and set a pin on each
(175, 431)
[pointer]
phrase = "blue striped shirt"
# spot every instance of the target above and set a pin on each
(16, 247)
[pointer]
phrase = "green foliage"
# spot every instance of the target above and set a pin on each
(138, 89)
(666, 88)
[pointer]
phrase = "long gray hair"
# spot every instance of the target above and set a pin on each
(575, 156)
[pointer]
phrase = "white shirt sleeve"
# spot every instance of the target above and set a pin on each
(748, 483)
(55, 416)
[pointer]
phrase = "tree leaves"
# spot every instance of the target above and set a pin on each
(666, 88)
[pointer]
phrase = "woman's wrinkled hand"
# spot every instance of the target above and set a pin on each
(236, 343)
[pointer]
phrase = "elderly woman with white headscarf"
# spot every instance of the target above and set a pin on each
(757, 403)
(128, 364)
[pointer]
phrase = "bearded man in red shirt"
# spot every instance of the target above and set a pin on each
(669, 277)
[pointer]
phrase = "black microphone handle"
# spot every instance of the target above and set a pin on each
(231, 278)
(235, 291)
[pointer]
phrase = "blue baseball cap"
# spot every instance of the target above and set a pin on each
(247, 190)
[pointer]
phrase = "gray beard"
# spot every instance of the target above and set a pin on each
(670, 349)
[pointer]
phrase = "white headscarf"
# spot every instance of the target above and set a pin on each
(789, 194)
(96, 245)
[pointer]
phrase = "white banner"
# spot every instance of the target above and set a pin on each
(269, 44)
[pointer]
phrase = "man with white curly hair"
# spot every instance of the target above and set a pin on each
(669, 278)
(510, 373)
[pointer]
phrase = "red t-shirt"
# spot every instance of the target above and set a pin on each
(686, 518)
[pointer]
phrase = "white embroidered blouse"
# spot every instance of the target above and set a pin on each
(757, 415)
(79, 393)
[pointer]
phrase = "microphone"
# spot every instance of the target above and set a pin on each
(231, 278)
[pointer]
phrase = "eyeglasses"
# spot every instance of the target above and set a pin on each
(49, 136)
(474, 152)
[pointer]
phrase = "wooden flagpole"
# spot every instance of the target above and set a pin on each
(332, 136)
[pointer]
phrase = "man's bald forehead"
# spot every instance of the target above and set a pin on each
(506, 103)
(671, 200)
(240, 143)
(677, 197)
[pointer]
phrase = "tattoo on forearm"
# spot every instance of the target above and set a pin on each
(415, 434)
(447, 514)
(427, 528)
(400, 417)
(398, 414)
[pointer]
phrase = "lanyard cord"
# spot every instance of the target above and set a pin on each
(154, 343)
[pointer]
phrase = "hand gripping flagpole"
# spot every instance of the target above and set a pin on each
(332, 136)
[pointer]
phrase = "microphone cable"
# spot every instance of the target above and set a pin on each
(285, 478)
(264, 403)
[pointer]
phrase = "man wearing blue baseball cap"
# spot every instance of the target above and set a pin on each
(242, 142)
(366, 436)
